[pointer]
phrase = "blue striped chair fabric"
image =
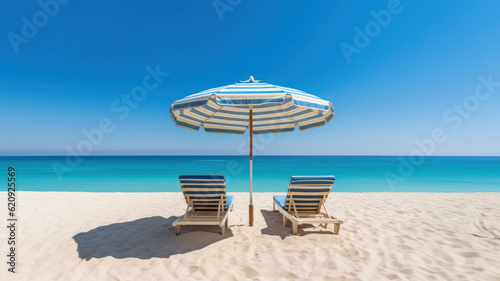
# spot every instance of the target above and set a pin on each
(307, 192)
(205, 192)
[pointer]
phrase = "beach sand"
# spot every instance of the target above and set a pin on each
(129, 236)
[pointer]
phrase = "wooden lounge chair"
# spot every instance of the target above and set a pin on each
(207, 202)
(303, 203)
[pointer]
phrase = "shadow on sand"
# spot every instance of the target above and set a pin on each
(274, 223)
(145, 238)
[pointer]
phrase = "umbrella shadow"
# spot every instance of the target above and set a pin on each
(146, 238)
(274, 222)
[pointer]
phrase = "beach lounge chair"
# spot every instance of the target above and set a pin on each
(207, 202)
(303, 203)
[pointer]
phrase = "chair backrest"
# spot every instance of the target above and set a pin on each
(204, 192)
(308, 192)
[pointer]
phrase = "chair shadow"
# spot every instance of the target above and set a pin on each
(274, 222)
(145, 238)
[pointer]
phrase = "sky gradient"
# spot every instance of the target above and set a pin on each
(413, 67)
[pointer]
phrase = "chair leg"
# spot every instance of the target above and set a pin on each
(326, 225)
(295, 228)
(177, 230)
(336, 228)
(222, 229)
(284, 220)
(227, 222)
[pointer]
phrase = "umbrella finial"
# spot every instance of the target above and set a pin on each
(251, 78)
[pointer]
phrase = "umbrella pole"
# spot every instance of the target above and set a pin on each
(250, 207)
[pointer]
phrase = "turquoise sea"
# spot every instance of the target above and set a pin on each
(271, 173)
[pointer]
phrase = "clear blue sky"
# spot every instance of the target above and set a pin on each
(394, 90)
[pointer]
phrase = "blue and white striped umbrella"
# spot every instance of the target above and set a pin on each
(252, 104)
(275, 109)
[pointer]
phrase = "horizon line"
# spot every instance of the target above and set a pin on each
(265, 155)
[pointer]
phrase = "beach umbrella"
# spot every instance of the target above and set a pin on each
(251, 104)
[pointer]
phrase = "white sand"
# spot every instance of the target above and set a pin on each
(128, 236)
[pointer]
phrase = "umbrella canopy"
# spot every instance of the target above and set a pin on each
(252, 104)
(275, 109)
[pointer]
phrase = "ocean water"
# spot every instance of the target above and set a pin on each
(271, 173)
